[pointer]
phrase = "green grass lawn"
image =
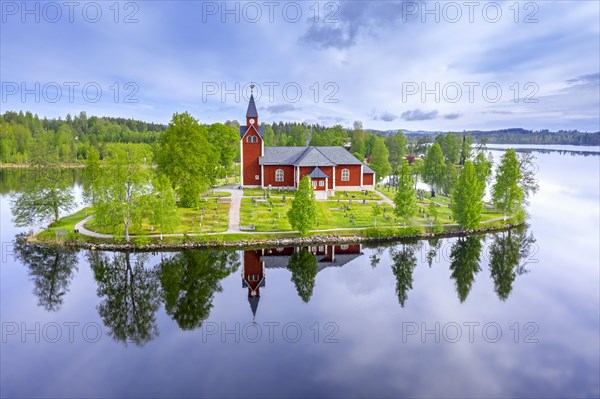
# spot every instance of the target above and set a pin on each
(358, 195)
(274, 192)
(68, 223)
(215, 219)
(330, 215)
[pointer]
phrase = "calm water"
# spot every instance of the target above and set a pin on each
(492, 316)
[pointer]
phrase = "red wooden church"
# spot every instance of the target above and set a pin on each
(330, 168)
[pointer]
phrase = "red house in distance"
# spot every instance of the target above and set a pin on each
(330, 168)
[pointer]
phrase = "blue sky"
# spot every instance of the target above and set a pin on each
(431, 65)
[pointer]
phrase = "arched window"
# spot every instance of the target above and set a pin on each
(345, 174)
(252, 139)
(279, 175)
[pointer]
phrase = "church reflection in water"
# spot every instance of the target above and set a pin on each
(255, 263)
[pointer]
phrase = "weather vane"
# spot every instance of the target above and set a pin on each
(251, 88)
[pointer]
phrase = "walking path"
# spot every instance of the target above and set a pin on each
(234, 208)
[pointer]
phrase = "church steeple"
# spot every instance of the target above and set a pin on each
(251, 113)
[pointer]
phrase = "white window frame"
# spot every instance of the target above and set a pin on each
(321, 183)
(345, 174)
(279, 175)
(252, 139)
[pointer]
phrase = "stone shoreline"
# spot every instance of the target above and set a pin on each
(275, 242)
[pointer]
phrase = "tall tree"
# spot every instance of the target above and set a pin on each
(396, 145)
(226, 142)
(451, 148)
(47, 192)
(164, 208)
(379, 159)
(303, 213)
(468, 198)
(466, 149)
(91, 176)
(405, 199)
(483, 168)
(529, 184)
(358, 139)
(464, 264)
(303, 265)
(122, 196)
(434, 167)
(507, 194)
(269, 135)
(450, 178)
(188, 158)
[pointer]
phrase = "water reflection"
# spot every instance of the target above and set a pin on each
(508, 254)
(404, 261)
(130, 295)
(464, 264)
(51, 269)
(189, 281)
(132, 291)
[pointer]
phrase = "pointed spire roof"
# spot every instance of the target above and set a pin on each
(251, 113)
(254, 303)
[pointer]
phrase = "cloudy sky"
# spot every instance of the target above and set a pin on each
(431, 65)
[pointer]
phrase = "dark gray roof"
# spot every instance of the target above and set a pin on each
(281, 155)
(243, 129)
(253, 303)
(309, 156)
(366, 169)
(318, 174)
(251, 113)
(282, 261)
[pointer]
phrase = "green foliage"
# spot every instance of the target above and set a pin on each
(434, 168)
(466, 149)
(188, 158)
(269, 135)
(358, 144)
(464, 264)
(507, 194)
(450, 147)
(226, 142)
(436, 227)
(450, 178)
(396, 145)
(303, 265)
(379, 159)
(47, 192)
(483, 168)
(303, 213)
(164, 208)
(189, 281)
(129, 293)
(468, 198)
(333, 136)
(404, 262)
(91, 176)
(405, 200)
(123, 189)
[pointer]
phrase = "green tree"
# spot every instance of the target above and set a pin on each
(507, 194)
(466, 149)
(188, 158)
(436, 227)
(303, 265)
(164, 208)
(303, 213)
(464, 264)
(450, 178)
(47, 192)
(269, 135)
(468, 198)
(529, 184)
(226, 142)
(376, 210)
(379, 159)
(451, 148)
(91, 176)
(434, 167)
(405, 199)
(483, 168)
(396, 145)
(122, 195)
(358, 139)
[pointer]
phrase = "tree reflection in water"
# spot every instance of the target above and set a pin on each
(404, 262)
(51, 269)
(303, 265)
(465, 254)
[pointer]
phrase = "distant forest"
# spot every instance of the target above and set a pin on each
(24, 136)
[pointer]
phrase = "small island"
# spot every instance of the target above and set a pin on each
(187, 191)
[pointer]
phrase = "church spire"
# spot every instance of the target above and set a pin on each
(251, 112)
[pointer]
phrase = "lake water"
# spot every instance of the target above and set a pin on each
(500, 315)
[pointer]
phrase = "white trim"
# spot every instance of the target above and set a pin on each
(262, 176)
(242, 162)
(361, 175)
(277, 179)
(342, 175)
(333, 179)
